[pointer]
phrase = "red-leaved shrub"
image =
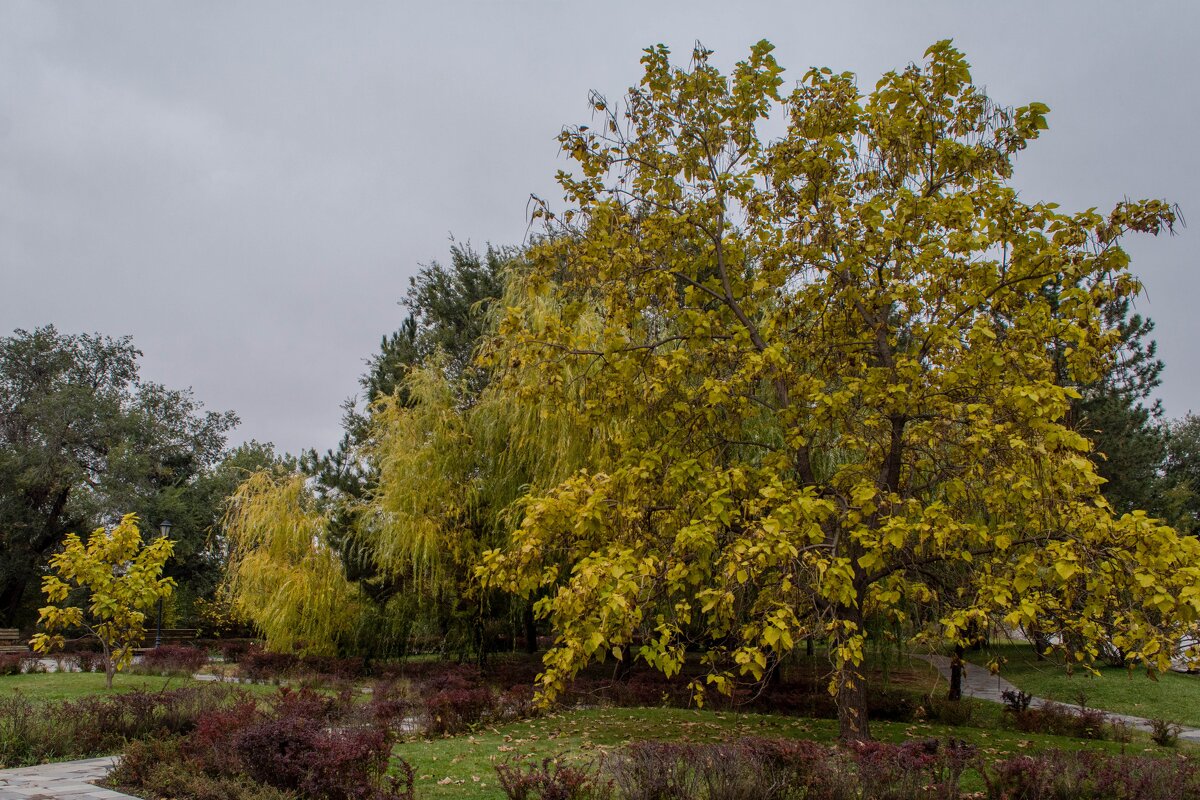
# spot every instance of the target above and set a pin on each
(1056, 775)
(89, 661)
(321, 747)
(328, 666)
(456, 710)
(258, 665)
(159, 768)
(16, 663)
(172, 659)
(232, 650)
(1060, 720)
(34, 732)
(772, 769)
(551, 780)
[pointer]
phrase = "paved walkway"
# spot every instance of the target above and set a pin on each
(980, 683)
(67, 779)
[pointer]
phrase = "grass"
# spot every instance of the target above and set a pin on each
(52, 686)
(463, 766)
(1173, 696)
(896, 670)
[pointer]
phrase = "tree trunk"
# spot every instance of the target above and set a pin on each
(110, 668)
(443, 614)
(853, 725)
(622, 669)
(956, 674)
(479, 633)
(851, 684)
(530, 630)
(1039, 642)
(810, 648)
(773, 676)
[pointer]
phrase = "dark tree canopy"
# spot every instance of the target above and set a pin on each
(196, 508)
(1125, 426)
(1183, 474)
(447, 317)
(83, 440)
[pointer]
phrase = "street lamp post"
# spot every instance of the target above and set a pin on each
(164, 528)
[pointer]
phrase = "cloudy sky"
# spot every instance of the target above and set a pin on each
(245, 187)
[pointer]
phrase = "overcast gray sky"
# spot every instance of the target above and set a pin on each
(246, 187)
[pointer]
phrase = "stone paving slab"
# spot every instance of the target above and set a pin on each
(68, 780)
(980, 683)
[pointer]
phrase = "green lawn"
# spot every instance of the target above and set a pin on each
(1173, 696)
(462, 766)
(73, 685)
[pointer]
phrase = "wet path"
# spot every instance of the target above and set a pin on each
(981, 684)
(66, 779)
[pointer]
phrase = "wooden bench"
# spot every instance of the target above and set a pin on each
(10, 641)
(170, 636)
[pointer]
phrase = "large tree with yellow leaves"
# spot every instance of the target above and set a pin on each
(823, 371)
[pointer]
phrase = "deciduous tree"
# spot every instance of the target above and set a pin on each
(82, 440)
(104, 588)
(819, 368)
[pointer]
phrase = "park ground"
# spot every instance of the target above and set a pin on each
(463, 764)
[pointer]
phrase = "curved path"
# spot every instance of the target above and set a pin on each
(71, 780)
(981, 684)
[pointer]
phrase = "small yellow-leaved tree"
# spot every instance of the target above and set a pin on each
(113, 579)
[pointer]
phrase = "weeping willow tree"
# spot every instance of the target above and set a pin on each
(281, 573)
(424, 520)
(452, 466)
(442, 457)
(448, 313)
